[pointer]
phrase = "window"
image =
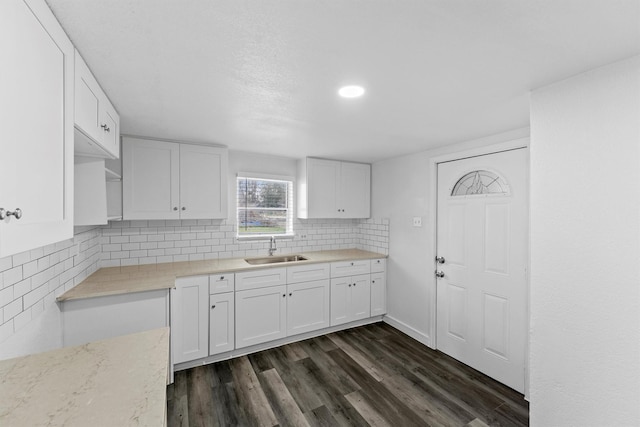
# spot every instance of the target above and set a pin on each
(265, 206)
(480, 182)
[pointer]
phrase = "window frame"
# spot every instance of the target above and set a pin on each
(289, 232)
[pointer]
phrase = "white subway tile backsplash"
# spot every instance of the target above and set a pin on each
(30, 281)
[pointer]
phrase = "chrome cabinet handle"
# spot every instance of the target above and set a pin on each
(105, 128)
(175, 208)
(439, 274)
(5, 213)
(213, 306)
(440, 259)
(184, 209)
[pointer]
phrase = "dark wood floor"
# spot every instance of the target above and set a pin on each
(371, 375)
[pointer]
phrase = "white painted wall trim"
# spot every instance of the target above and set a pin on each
(408, 330)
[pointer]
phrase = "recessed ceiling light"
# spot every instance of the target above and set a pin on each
(351, 91)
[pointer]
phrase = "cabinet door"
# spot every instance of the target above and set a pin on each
(307, 306)
(378, 294)
(261, 315)
(190, 319)
(111, 132)
(150, 179)
(87, 101)
(360, 302)
(36, 106)
(355, 190)
(340, 296)
(203, 182)
(221, 323)
(322, 188)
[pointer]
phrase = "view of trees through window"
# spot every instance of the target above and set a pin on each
(263, 206)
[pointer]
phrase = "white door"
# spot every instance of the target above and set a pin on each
(190, 318)
(203, 182)
(482, 238)
(322, 192)
(150, 179)
(261, 315)
(221, 323)
(340, 295)
(360, 298)
(36, 107)
(355, 190)
(307, 306)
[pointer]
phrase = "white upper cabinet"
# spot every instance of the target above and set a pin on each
(97, 123)
(333, 189)
(36, 106)
(169, 180)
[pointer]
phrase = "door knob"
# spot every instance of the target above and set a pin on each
(439, 274)
(440, 259)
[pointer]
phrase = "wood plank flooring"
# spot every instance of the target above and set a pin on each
(373, 375)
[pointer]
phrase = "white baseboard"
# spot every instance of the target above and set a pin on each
(406, 329)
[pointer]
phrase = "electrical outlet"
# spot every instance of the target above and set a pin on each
(417, 221)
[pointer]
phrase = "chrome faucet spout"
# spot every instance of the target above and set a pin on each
(272, 245)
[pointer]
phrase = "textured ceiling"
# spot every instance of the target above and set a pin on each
(262, 75)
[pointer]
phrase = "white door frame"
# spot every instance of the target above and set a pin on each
(432, 212)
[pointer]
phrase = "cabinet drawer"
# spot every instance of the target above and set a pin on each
(350, 268)
(378, 265)
(223, 282)
(307, 273)
(261, 278)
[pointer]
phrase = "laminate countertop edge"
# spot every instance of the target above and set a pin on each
(111, 281)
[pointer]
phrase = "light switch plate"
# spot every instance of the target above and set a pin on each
(417, 221)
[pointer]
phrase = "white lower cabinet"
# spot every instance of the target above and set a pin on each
(261, 315)
(190, 319)
(307, 306)
(378, 294)
(216, 314)
(221, 323)
(350, 298)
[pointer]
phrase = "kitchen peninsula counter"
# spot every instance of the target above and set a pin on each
(118, 381)
(139, 278)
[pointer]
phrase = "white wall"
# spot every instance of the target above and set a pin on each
(585, 249)
(29, 283)
(402, 189)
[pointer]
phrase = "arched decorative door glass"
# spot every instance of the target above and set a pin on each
(480, 182)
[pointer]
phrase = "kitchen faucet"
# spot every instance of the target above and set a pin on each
(272, 246)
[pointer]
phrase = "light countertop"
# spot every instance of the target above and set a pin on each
(116, 382)
(139, 278)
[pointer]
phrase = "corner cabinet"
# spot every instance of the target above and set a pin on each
(170, 180)
(333, 189)
(97, 123)
(36, 196)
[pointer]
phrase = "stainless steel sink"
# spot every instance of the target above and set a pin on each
(275, 259)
